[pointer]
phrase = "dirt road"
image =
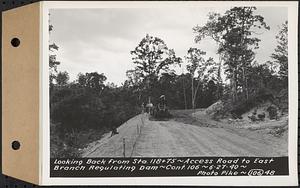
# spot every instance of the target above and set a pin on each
(144, 138)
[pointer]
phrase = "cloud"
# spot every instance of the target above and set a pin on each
(101, 39)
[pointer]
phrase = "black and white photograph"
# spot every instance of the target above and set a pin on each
(169, 82)
(171, 89)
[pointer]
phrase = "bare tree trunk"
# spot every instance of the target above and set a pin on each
(193, 104)
(245, 84)
(234, 86)
(184, 94)
(195, 93)
(244, 88)
(219, 79)
(247, 91)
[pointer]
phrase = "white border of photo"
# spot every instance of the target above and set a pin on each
(290, 180)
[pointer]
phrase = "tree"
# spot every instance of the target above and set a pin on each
(78, 111)
(95, 81)
(280, 56)
(152, 56)
(206, 70)
(62, 78)
(134, 77)
(183, 81)
(194, 59)
(262, 77)
(81, 79)
(135, 83)
(53, 63)
(233, 34)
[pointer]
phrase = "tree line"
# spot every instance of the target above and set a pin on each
(91, 102)
(236, 34)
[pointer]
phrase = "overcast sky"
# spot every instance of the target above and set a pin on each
(100, 40)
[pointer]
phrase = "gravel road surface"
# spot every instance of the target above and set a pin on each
(144, 138)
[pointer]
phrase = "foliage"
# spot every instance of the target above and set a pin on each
(53, 63)
(70, 144)
(79, 108)
(153, 59)
(206, 70)
(233, 32)
(62, 78)
(88, 103)
(91, 103)
(93, 81)
(152, 56)
(280, 56)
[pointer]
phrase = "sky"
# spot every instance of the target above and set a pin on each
(100, 40)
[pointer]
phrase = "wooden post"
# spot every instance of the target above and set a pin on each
(124, 147)
(142, 125)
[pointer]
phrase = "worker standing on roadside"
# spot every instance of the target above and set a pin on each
(143, 108)
(114, 131)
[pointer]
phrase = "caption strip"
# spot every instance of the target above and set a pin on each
(184, 166)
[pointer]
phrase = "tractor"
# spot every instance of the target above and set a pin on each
(160, 111)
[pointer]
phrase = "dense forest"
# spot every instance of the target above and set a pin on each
(82, 110)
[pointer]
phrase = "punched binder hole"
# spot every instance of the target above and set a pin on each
(15, 145)
(15, 42)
